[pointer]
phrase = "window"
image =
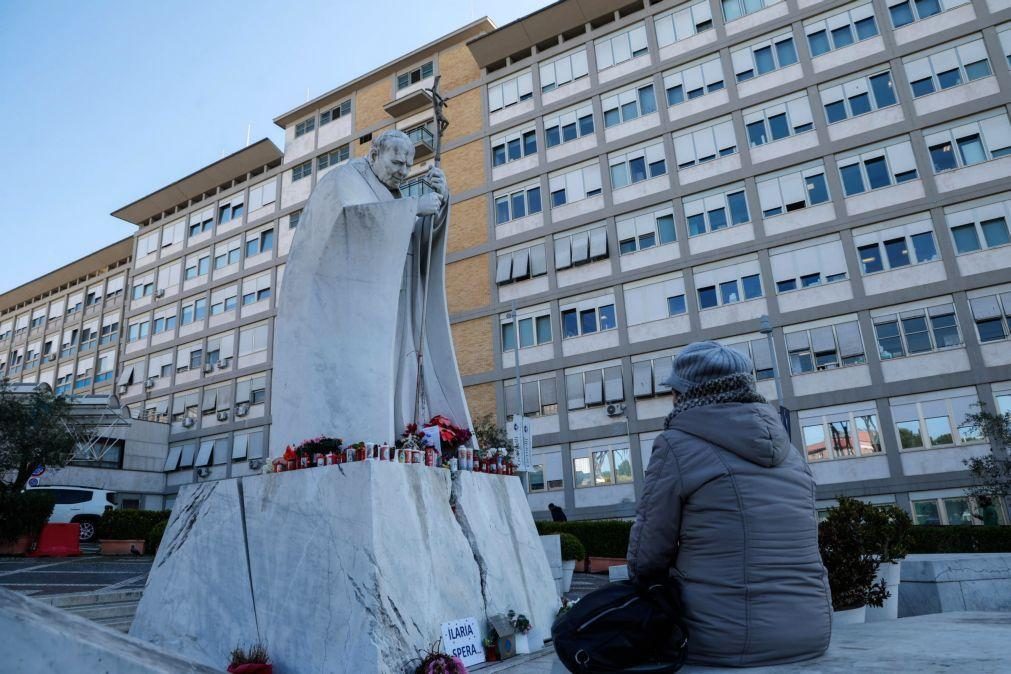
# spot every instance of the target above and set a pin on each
(905, 12)
(511, 91)
(227, 254)
(136, 332)
(568, 125)
(142, 288)
(694, 81)
(197, 265)
(594, 387)
(968, 142)
(164, 322)
(764, 57)
(980, 228)
(228, 211)
(519, 265)
(935, 423)
(333, 157)
(539, 398)
(826, 347)
(645, 230)
(948, 68)
(637, 165)
(303, 170)
(779, 121)
(792, 191)
(628, 105)
(414, 76)
(588, 245)
(260, 242)
(335, 113)
(305, 126)
(529, 330)
(621, 47)
(700, 145)
(797, 268)
(194, 311)
(957, 510)
(109, 333)
(841, 435)
(896, 247)
(917, 331)
(517, 204)
(715, 211)
(992, 315)
(761, 357)
(841, 30)
(574, 185)
(586, 321)
(728, 284)
(223, 299)
(683, 23)
(881, 167)
(513, 145)
(648, 376)
(256, 289)
(564, 69)
(858, 97)
(293, 219)
(735, 9)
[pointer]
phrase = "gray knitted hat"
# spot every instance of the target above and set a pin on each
(701, 361)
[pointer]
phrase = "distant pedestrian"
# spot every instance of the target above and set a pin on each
(727, 514)
(557, 514)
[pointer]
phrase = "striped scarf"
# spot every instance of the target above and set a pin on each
(734, 388)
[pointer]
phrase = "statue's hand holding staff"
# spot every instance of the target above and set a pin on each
(431, 203)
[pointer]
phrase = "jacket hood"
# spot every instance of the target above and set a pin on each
(752, 431)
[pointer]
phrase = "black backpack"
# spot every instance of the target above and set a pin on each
(622, 627)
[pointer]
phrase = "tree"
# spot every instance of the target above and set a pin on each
(490, 434)
(992, 473)
(36, 429)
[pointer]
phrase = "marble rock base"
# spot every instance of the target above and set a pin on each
(349, 568)
(955, 582)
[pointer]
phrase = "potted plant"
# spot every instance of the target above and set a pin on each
(435, 661)
(22, 516)
(253, 661)
(572, 552)
(490, 643)
(851, 559)
(888, 531)
(124, 532)
(522, 626)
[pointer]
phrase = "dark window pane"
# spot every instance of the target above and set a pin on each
(786, 286)
(498, 155)
(974, 71)
(971, 150)
(752, 286)
(779, 126)
(627, 246)
(884, 93)
(717, 219)
(949, 78)
(612, 117)
(860, 104)
(990, 330)
(606, 313)
(558, 197)
(819, 43)
(518, 205)
(835, 112)
(647, 241)
(696, 224)
(966, 239)
(629, 111)
(808, 280)
(870, 258)
(756, 133)
(570, 323)
(897, 252)
(942, 157)
(763, 60)
(676, 305)
(817, 190)
(922, 87)
(665, 226)
(729, 292)
(995, 232)
(923, 245)
(877, 172)
(842, 37)
(514, 149)
(530, 142)
(569, 132)
(738, 208)
(588, 321)
(902, 14)
(925, 8)
(745, 75)
(707, 297)
(647, 100)
(866, 28)
(637, 168)
(585, 125)
(675, 95)
(786, 52)
(917, 338)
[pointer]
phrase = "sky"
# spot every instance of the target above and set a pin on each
(104, 102)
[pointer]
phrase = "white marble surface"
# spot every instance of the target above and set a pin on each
(354, 567)
(955, 582)
(40, 639)
(552, 544)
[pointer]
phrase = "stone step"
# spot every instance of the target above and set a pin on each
(68, 601)
(121, 624)
(98, 612)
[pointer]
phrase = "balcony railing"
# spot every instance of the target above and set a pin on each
(415, 188)
(424, 142)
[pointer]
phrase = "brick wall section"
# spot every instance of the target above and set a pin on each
(457, 67)
(464, 166)
(472, 341)
(464, 114)
(468, 224)
(467, 285)
(481, 400)
(369, 103)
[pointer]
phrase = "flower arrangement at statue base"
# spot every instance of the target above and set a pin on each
(435, 662)
(439, 444)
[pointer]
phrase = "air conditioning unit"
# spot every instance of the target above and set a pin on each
(208, 368)
(203, 471)
(242, 410)
(160, 294)
(51, 357)
(188, 422)
(149, 383)
(123, 388)
(222, 415)
(222, 364)
(615, 410)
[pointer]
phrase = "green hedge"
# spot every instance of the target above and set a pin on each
(573, 549)
(154, 537)
(927, 539)
(609, 538)
(24, 513)
(601, 538)
(129, 524)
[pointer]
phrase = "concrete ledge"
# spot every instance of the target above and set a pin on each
(945, 583)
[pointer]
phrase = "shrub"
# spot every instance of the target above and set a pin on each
(887, 531)
(601, 538)
(849, 551)
(154, 537)
(24, 513)
(129, 524)
(954, 539)
(572, 548)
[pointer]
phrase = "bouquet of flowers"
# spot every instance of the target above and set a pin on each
(519, 622)
(434, 662)
(452, 436)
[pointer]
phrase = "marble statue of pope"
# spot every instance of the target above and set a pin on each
(349, 312)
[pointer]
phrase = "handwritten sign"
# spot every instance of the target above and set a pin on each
(462, 638)
(433, 438)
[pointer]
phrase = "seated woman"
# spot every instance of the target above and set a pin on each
(727, 513)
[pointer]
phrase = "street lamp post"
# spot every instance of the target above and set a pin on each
(766, 329)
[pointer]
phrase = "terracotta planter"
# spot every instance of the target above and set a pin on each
(853, 616)
(602, 564)
(19, 546)
(490, 654)
(251, 668)
(121, 547)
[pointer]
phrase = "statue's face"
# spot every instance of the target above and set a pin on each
(393, 163)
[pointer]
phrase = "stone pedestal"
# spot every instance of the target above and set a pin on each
(955, 582)
(343, 568)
